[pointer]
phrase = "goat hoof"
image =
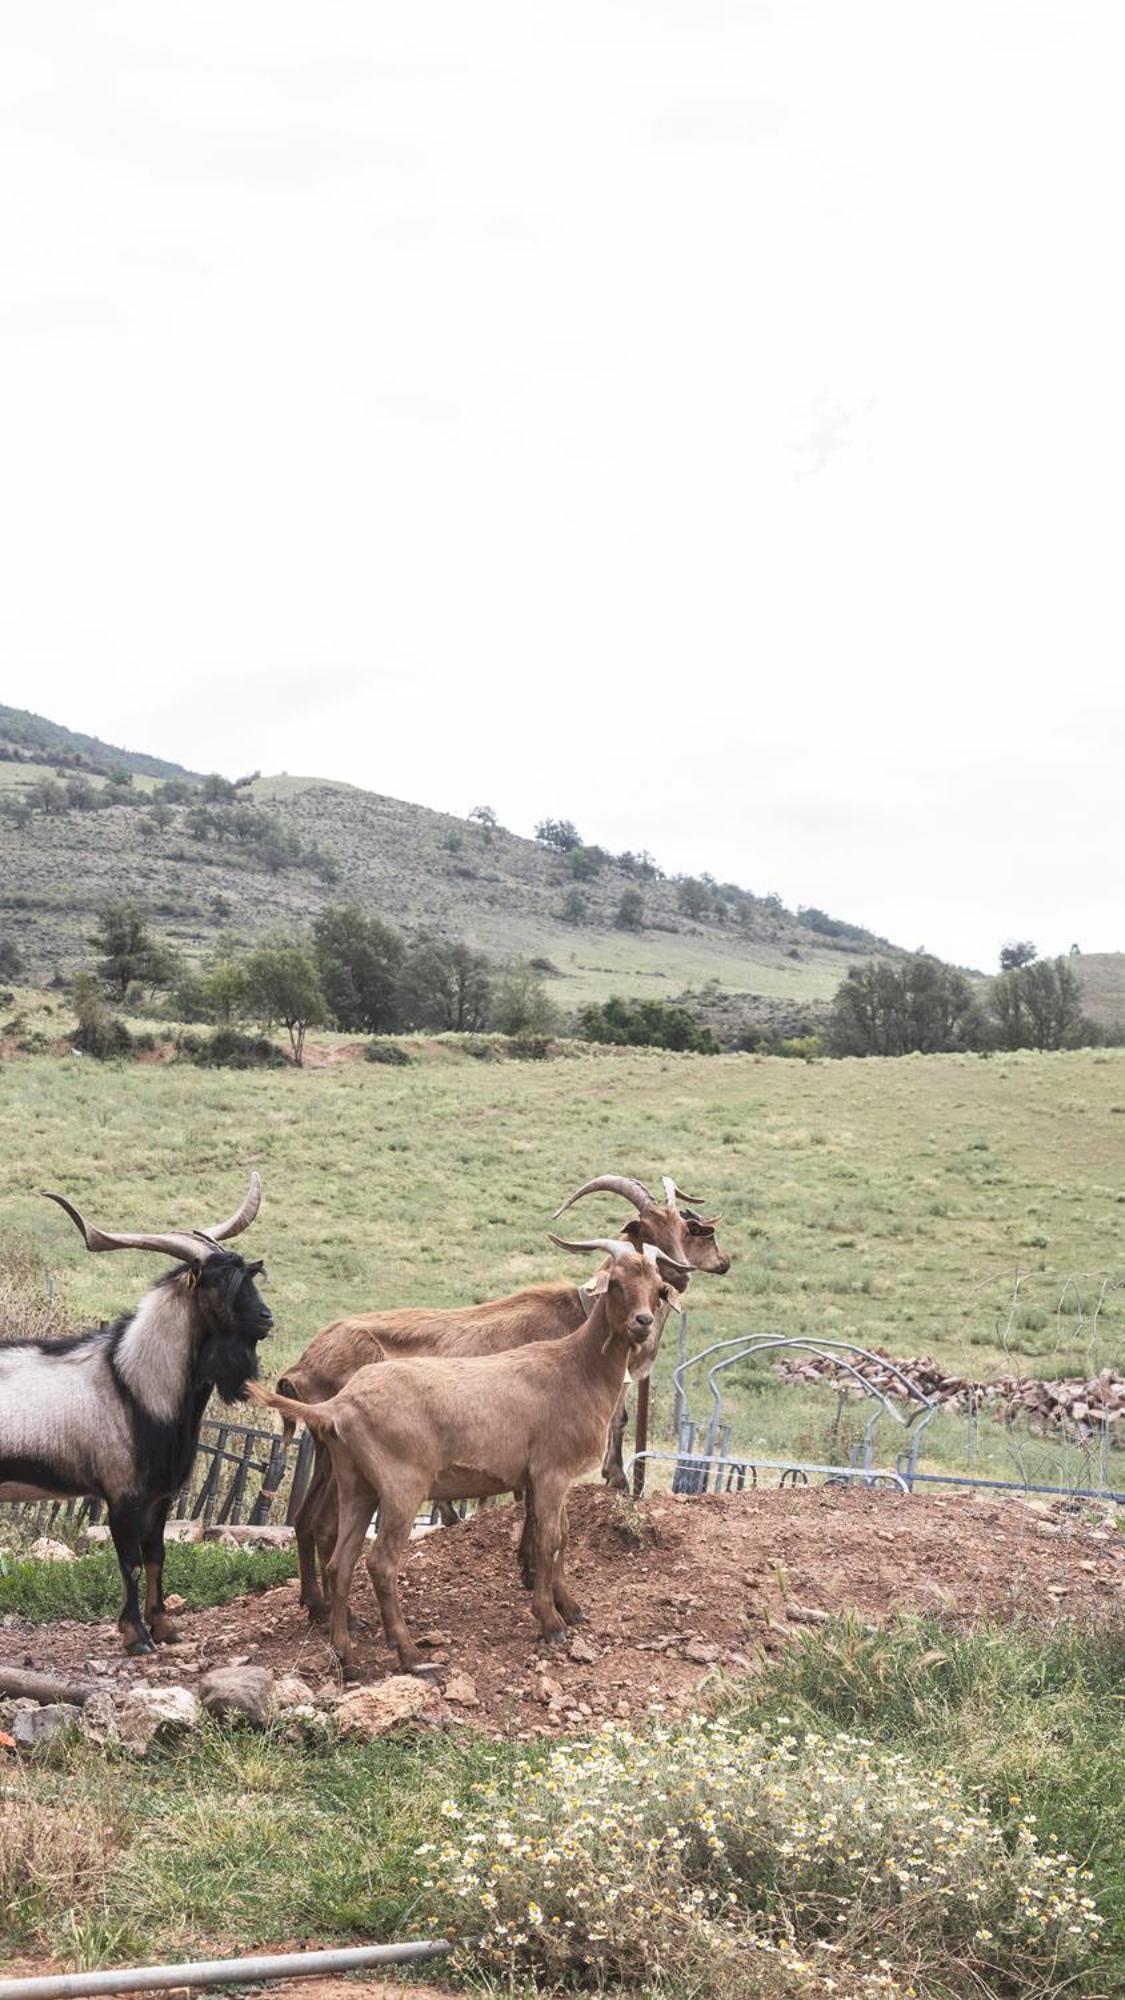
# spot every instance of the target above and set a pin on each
(140, 1646)
(425, 1671)
(318, 1614)
(573, 1614)
(616, 1481)
(559, 1638)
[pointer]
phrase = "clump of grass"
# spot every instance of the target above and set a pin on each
(90, 1586)
(628, 1519)
(52, 1857)
(635, 1856)
(29, 1309)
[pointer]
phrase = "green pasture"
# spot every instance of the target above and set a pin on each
(893, 1203)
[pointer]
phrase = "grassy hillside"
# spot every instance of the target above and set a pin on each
(35, 737)
(888, 1202)
(1102, 976)
(421, 868)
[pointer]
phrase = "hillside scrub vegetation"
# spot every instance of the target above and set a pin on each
(919, 1005)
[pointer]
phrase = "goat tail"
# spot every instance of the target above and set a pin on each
(315, 1415)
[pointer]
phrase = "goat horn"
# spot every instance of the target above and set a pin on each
(622, 1184)
(243, 1216)
(657, 1256)
(674, 1195)
(612, 1245)
(182, 1244)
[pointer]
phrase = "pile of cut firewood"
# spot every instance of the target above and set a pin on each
(1077, 1409)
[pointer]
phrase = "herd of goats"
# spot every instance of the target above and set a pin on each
(520, 1395)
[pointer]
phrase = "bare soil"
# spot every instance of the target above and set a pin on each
(674, 1590)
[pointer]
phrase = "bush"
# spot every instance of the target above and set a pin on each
(99, 1033)
(635, 1857)
(645, 1024)
(378, 1051)
(228, 1048)
(630, 914)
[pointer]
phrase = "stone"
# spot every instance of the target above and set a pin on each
(98, 1720)
(239, 1690)
(702, 1654)
(462, 1689)
(146, 1712)
(549, 1690)
(582, 1651)
(47, 1551)
(35, 1726)
(290, 1691)
(367, 1712)
(13, 1706)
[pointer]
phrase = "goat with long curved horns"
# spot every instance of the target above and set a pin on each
(113, 1414)
(681, 1232)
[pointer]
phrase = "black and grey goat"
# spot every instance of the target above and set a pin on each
(114, 1413)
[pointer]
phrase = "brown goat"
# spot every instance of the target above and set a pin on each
(539, 1312)
(531, 1418)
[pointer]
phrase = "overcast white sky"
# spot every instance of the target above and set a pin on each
(701, 420)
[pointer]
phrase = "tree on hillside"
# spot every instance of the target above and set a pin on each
(11, 963)
(645, 1024)
(1017, 952)
(575, 909)
(896, 1007)
(630, 913)
(521, 1004)
(444, 986)
(281, 985)
(1038, 1005)
(559, 834)
(131, 955)
(358, 959)
(586, 862)
(693, 897)
(485, 818)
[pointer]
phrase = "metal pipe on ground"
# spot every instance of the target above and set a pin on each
(217, 1971)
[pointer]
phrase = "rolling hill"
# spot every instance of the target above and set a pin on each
(422, 869)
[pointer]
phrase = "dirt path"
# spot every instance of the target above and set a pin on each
(711, 1582)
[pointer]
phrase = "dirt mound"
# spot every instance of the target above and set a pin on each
(673, 1590)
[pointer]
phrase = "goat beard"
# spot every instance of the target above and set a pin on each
(229, 1361)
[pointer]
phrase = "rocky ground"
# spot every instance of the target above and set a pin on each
(675, 1591)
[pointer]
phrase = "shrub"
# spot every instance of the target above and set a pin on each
(645, 1024)
(634, 1857)
(378, 1051)
(560, 834)
(228, 1048)
(630, 913)
(575, 909)
(99, 1033)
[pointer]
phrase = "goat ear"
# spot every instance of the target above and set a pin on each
(634, 1229)
(600, 1282)
(189, 1276)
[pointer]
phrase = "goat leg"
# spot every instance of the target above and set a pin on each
(398, 1505)
(613, 1464)
(355, 1504)
(548, 1498)
(124, 1526)
(566, 1605)
(525, 1555)
(307, 1527)
(152, 1549)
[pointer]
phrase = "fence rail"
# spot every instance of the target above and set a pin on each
(240, 1476)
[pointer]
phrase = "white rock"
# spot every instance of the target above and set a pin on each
(98, 1720)
(33, 1726)
(149, 1711)
(47, 1551)
(368, 1712)
(290, 1691)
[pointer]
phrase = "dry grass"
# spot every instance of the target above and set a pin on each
(53, 1857)
(30, 1308)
